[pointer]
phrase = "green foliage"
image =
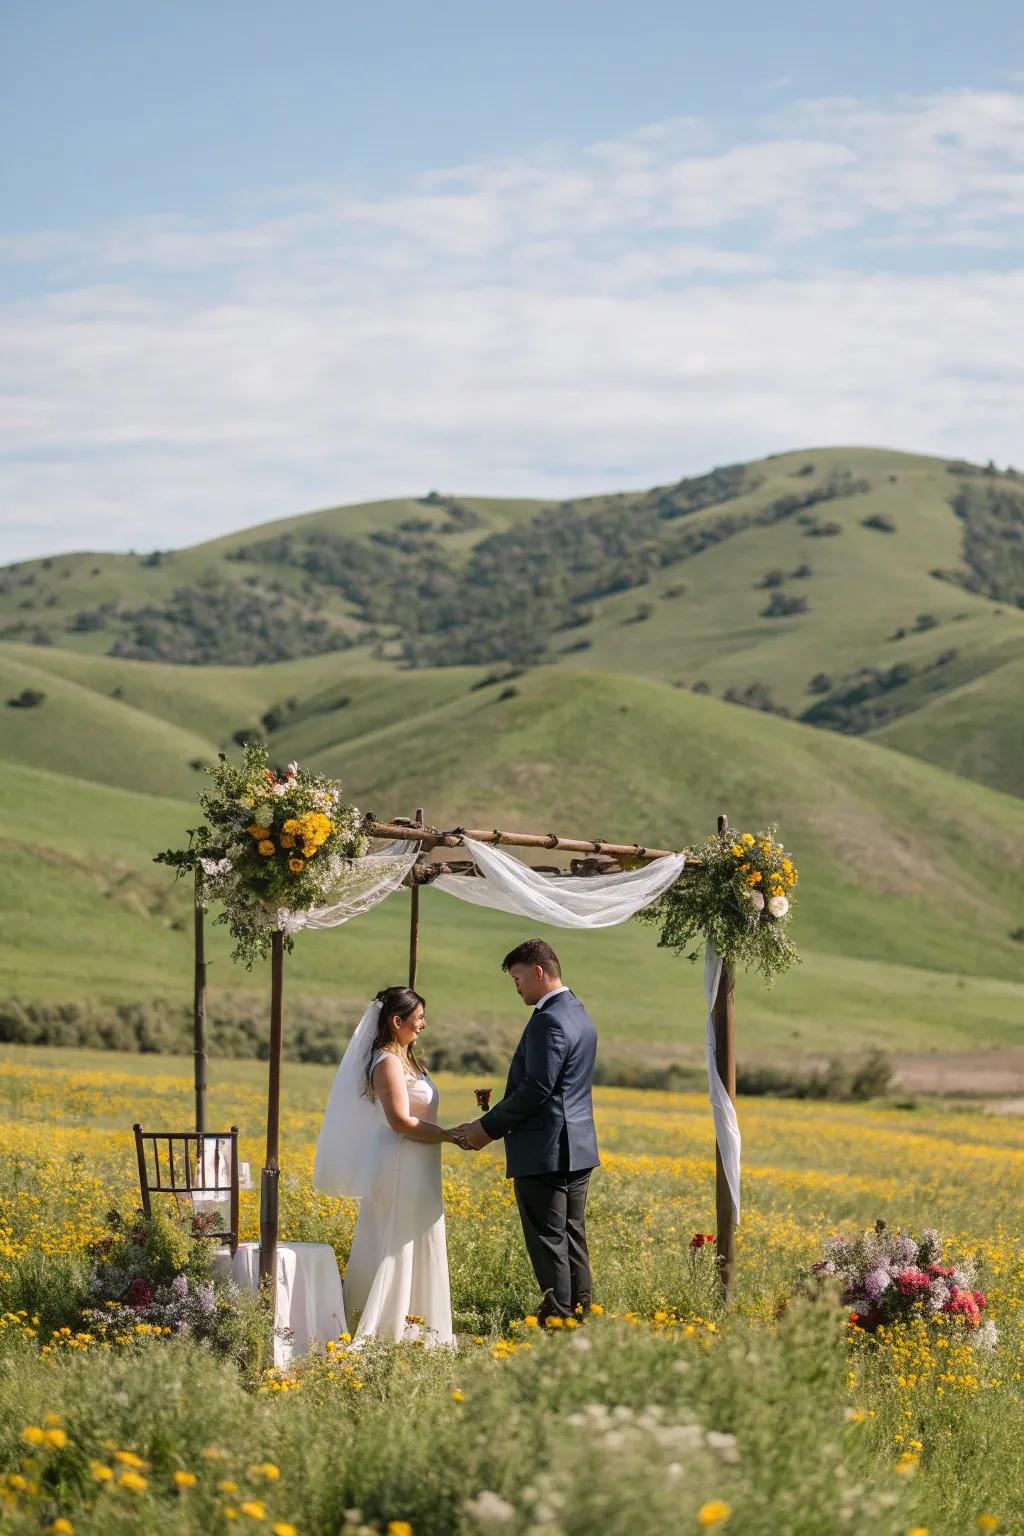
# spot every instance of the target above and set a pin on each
(734, 896)
(993, 550)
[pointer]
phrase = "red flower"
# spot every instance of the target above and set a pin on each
(700, 1238)
(911, 1280)
(139, 1294)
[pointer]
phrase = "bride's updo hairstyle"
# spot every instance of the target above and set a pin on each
(402, 1001)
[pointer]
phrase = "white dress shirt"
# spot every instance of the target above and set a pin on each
(549, 995)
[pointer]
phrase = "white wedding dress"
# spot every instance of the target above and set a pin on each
(398, 1267)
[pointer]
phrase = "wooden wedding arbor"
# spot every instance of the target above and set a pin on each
(599, 857)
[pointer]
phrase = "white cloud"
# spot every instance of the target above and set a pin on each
(551, 324)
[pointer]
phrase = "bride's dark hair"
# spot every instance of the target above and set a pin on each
(402, 1001)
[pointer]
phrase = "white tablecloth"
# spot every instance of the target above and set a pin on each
(310, 1304)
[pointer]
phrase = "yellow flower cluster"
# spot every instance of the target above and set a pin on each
(776, 866)
(312, 829)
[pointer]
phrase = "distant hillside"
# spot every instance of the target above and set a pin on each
(863, 591)
(912, 878)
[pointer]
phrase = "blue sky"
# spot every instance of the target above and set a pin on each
(255, 260)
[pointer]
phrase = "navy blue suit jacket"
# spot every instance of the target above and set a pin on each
(547, 1114)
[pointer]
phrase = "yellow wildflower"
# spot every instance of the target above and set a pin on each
(57, 1438)
(265, 1469)
(133, 1481)
(736, 850)
(50, 1418)
(296, 865)
(988, 1523)
(255, 830)
(399, 1528)
(129, 1458)
(283, 1528)
(597, 1309)
(185, 1479)
(100, 1471)
(755, 878)
(62, 1527)
(254, 1508)
(227, 1486)
(286, 840)
(266, 847)
(32, 1434)
(747, 840)
(531, 1321)
(458, 1397)
(714, 1512)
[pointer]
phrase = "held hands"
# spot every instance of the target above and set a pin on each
(470, 1136)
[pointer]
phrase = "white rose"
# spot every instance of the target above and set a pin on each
(778, 906)
(756, 900)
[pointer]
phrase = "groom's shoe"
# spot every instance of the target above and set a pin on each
(549, 1308)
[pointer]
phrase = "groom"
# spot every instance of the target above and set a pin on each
(547, 1120)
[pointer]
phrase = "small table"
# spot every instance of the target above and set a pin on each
(310, 1304)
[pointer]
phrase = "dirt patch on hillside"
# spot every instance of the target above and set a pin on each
(965, 1074)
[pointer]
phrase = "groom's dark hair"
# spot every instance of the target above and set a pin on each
(533, 952)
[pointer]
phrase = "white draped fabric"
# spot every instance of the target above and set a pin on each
(565, 901)
(359, 885)
(723, 1110)
(348, 1150)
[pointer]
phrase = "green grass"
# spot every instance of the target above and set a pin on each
(631, 1427)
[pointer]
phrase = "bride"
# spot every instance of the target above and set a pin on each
(380, 1143)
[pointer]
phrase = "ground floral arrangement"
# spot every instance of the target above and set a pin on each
(271, 844)
(663, 1412)
(738, 894)
(889, 1277)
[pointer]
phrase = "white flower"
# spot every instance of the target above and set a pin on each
(490, 1509)
(293, 769)
(215, 867)
(986, 1335)
(724, 1444)
(756, 900)
(281, 789)
(778, 906)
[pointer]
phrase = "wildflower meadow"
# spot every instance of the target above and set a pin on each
(664, 1412)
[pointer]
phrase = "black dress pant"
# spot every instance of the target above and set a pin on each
(552, 1208)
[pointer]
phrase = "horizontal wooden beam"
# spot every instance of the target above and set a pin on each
(430, 837)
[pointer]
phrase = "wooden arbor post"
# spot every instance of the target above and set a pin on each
(270, 1176)
(414, 915)
(723, 1017)
(199, 1005)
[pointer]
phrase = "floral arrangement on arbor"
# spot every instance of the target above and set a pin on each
(271, 843)
(889, 1277)
(739, 896)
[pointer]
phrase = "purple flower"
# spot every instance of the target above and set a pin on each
(179, 1285)
(206, 1298)
(876, 1282)
(906, 1249)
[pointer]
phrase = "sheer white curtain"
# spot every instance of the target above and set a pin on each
(359, 884)
(565, 901)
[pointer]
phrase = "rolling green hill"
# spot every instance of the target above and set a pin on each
(594, 660)
(912, 878)
(863, 590)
